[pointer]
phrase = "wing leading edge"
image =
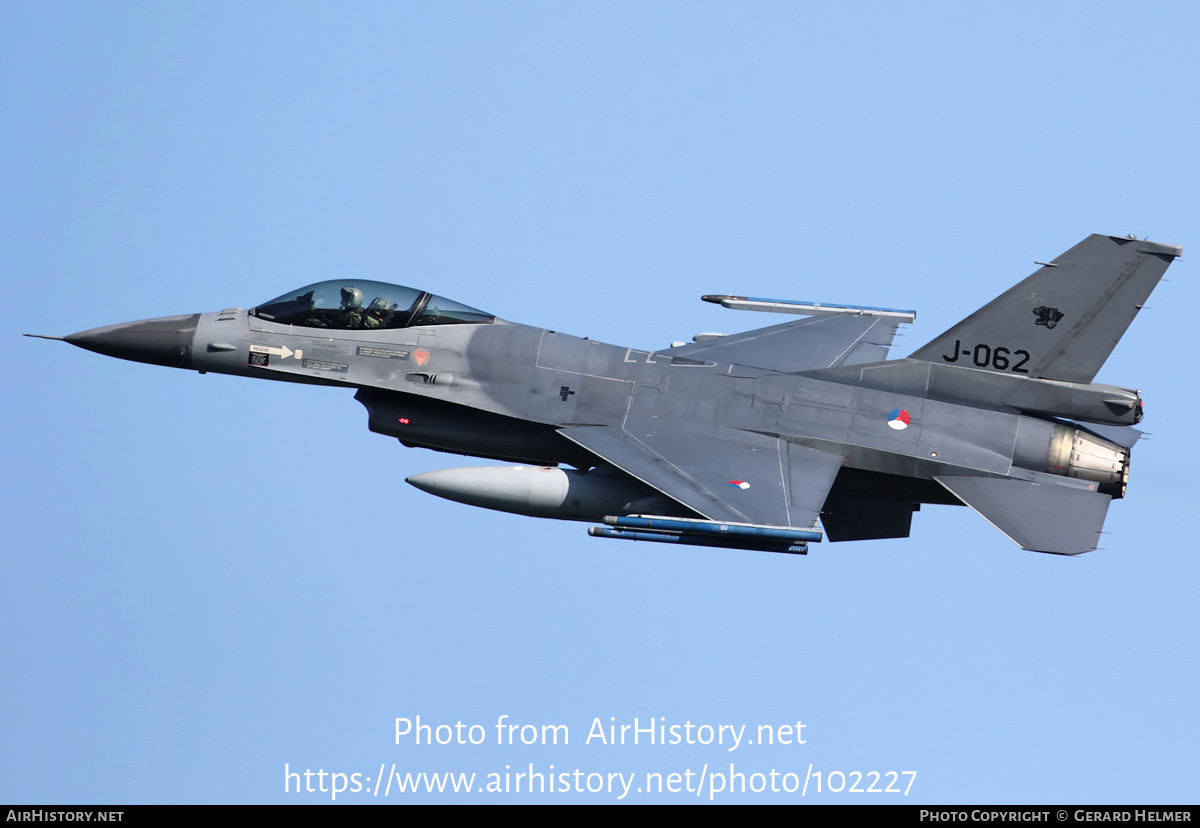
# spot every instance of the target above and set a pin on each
(804, 345)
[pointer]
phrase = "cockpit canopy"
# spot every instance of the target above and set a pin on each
(352, 305)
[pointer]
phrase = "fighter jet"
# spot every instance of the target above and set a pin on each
(744, 441)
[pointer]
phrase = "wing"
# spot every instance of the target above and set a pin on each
(803, 345)
(1042, 517)
(721, 473)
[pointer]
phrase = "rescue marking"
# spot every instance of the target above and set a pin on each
(283, 351)
(380, 353)
(326, 365)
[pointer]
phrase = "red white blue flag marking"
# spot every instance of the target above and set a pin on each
(741, 484)
(898, 419)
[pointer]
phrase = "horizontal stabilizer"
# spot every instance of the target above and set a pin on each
(1041, 517)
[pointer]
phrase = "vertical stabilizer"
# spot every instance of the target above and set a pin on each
(1063, 321)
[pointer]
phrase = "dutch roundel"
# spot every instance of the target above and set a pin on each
(741, 484)
(898, 419)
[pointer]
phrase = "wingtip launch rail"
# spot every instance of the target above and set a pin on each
(805, 308)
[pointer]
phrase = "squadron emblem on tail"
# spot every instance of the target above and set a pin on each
(1046, 316)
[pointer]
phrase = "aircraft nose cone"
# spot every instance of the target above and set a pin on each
(165, 341)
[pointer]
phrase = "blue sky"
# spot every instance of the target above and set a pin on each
(208, 577)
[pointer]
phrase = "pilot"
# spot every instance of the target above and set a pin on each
(379, 313)
(351, 313)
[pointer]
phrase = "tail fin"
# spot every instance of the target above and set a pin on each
(1063, 321)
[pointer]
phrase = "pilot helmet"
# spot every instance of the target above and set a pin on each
(352, 297)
